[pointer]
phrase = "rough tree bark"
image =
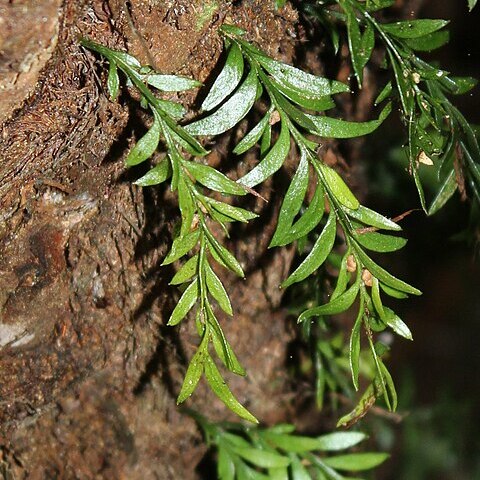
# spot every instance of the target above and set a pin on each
(88, 372)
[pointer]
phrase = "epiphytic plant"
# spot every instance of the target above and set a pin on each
(318, 210)
(247, 74)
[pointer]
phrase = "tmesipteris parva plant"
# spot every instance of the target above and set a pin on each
(278, 453)
(247, 74)
(296, 100)
(439, 136)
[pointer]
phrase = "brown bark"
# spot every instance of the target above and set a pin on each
(88, 373)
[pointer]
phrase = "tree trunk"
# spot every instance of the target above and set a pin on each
(88, 372)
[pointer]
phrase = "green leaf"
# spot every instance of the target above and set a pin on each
(222, 347)
(339, 440)
(235, 439)
(354, 41)
(335, 128)
(175, 160)
(245, 472)
(156, 175)
(299, 472)
(186, 205)
(232, 30)
(367, 44)
(360, 45)
(171, 83)
(431, 72)
(384, 94)
(113, 82)
(231, 112)
(471, 4)
(181, 246)
(375, 5)
(338, 187)
(324, 472)
(175, 110)
(294, 113)
(342, 278)
(366, 402)
(392, 292)
(376, 323)
(183, 138)
(281, 473)
(448, 188)
(219, 217)
(383, 380)
(226, 465)
(318, 254)
(354, 462)
(377, 301)
(226, 257)
(372, 218)
(473, 150)
(303, 99)
(220, 388)
(355, 346)
(282, 428)
(126, 58)
(213, 179)
(464, 84)
(227, 80)
(338, 305)
(304, 83)
(379, 380)
(233, 213)
(186, 273)
(252, 137)
(217, 290)
(272, 161)
(262, 458)
(266, 140)
(396, 324)
(226, 354)
(147, 145)
(392, 396)
(185, 304)
(429, 42)
(194, 372)
(292, 443)
(310, 218)
(413, 28)
(418, 184)
(379, 242)
(405, 89)
(384, 276)
(292, 202)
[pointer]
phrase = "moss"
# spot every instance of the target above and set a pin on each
(207, 11)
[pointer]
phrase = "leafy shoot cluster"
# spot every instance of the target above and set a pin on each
(292, 94)
(318, 210)
(278, 453)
